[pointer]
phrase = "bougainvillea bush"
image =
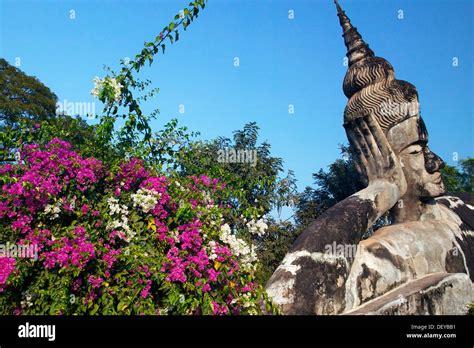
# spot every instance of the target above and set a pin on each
(119, 240)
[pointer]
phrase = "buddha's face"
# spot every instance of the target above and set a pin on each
(409, 140)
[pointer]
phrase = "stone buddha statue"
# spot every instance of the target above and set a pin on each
(423, 263)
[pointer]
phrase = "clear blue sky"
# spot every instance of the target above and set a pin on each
(282, 62)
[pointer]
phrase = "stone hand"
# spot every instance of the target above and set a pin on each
(375, 159)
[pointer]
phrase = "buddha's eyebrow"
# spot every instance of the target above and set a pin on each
(420, 142)
(422, 131)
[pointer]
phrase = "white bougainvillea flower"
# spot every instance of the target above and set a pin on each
(240, 248)
(108, 84)
(258, 227)
(145, 199)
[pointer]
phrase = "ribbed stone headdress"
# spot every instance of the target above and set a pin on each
(370, 83)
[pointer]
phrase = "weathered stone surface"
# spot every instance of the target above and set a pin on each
(426, 255)
(309, 283)
(436, 293)
(403, 252)
(310, 280)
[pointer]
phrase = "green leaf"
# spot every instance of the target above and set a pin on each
(122, 306)
(94, 310)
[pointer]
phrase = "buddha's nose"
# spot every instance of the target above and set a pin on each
(433, 162)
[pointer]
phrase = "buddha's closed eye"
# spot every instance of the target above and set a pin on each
(415, 150)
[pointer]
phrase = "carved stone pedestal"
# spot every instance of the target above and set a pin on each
(437, 293)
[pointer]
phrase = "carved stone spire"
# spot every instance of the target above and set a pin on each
(357, 48)
(370, 83)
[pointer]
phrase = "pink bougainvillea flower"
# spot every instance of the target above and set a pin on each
(57, 202)
(84, 209)
(7, 265)
(95, 281)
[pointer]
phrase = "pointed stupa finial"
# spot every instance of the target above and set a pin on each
(357, 48)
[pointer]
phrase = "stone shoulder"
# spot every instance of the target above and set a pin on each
(462, 203)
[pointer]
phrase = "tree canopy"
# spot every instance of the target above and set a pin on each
(460, 178)
(23, 97)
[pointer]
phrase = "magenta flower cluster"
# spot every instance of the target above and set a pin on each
(70, 252)
(130, 174)
(43, 175)
(84, 221)
(7, 265)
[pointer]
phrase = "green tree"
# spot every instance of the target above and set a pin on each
(451, 176)
(23, 97)
(24, 102)
(274, 245)
(255, 185)
(467, 166)
(254, 189)
(28, 115)
(334, 185)
(460, 178)
(79, 133)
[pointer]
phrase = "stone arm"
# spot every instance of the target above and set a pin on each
(311, 279)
